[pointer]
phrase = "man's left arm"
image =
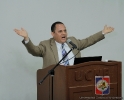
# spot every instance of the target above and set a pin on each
(84, 43)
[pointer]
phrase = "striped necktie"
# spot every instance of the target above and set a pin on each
(65, 60)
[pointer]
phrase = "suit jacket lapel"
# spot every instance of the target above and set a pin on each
(54, 49)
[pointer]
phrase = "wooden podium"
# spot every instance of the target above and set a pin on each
(77, 82)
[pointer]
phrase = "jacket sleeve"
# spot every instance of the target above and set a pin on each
(84, 43)
(33, 49)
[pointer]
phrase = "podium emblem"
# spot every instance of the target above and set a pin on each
(102, 85)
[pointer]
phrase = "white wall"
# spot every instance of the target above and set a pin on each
(81, 17)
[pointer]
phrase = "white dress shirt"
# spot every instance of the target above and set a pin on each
(70, 55)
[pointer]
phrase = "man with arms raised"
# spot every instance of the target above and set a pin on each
(51, 49)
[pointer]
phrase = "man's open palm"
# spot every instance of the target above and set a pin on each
(22, 32)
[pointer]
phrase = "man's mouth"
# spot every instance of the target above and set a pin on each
(63, 37)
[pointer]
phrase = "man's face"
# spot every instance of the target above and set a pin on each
(60, 33)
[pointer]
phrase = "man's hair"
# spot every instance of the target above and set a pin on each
(53, 26)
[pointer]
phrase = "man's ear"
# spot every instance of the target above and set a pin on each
(52, 33)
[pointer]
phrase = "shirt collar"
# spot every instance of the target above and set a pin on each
(59, 45)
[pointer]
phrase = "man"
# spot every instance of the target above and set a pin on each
(51, 50)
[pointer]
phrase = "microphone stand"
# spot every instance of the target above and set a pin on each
(51, 72)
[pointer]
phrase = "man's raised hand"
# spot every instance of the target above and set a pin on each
(22, 33)
(107, 29)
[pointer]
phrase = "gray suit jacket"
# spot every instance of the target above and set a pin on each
(48, 49)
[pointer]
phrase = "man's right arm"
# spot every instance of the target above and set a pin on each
(32, 49)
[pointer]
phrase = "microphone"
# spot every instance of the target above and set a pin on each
(70, 42)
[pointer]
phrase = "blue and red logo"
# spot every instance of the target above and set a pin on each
(102, 85)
